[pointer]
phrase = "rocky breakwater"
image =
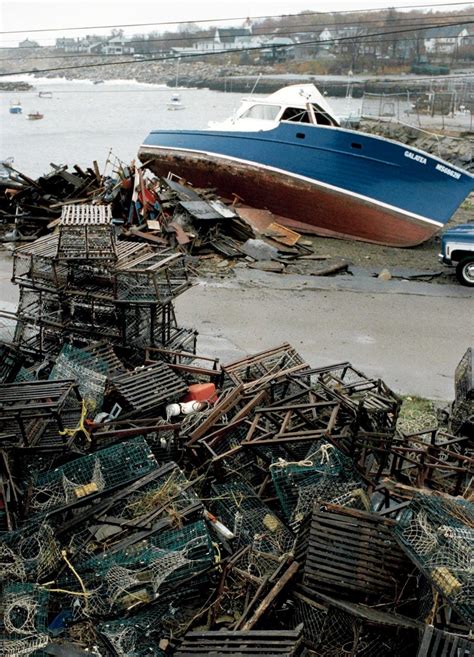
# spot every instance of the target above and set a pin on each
(48, 62)
(456, 149)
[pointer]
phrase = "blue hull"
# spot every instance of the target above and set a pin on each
(367, 172)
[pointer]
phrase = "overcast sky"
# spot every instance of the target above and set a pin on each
(30, 15)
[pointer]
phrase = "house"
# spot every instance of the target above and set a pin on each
(66, 44)
(326, 39)
(233, 38)
(27, 43)
(306, 45)
(446, 39)
(118, 45)
(278, 49)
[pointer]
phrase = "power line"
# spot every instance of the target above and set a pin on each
(220, 20)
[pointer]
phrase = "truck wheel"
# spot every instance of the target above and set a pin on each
(465, 271)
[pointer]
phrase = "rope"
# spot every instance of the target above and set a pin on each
(324, 450)
(82, 419)
(85, 594)
(282, 463)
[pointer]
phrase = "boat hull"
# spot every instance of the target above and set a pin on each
(338, 182)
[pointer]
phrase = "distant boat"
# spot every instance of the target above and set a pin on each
(35, 116)
(45, 94)
(16, 108)
(98, 82)
(175, 103)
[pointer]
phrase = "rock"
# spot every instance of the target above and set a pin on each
(268, 265)
(385, 275)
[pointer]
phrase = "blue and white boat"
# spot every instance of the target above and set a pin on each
(289, 154)
(16, 108)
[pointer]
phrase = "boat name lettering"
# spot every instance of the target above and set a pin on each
(449, 172)
(414, 156)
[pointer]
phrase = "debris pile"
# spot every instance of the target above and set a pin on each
(160, 212)
(156, 502)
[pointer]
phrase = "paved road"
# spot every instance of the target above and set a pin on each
(413, 341)
(410, 334)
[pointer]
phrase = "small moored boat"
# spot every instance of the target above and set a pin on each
(16, 108)
(35, 116)
(175, 103)
(45, 94)
(289, 154)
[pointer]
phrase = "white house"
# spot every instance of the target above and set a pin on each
(118, 45)
(446, 39)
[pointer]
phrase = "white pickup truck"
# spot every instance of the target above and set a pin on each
(457, 250)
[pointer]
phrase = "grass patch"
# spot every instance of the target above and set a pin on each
(416, 414)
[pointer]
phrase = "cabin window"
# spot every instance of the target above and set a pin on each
(265, 112)
(295, 114)
(322, 117)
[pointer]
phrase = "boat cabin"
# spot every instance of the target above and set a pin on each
(296, 104)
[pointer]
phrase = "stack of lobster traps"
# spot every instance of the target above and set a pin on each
(154, 501)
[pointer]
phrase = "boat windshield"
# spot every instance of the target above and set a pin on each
(265, 112)
(300, 115)
(296, 114)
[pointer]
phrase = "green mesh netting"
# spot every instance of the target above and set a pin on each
(131, 577)
(325, 474)
(88, 371)
(252, 522)
(94, 473)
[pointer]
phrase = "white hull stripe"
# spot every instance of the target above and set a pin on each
(312, 181)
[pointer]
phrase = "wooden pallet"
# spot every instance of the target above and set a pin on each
(254, 643)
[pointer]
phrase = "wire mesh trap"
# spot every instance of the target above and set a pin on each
(324, 474)
(23, 620)
(438, 535)
(94, 473)
(250, 520)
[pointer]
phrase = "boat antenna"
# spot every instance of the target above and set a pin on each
(256, 82)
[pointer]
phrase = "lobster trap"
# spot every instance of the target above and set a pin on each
(86, 233)
(249, 519)
(151, 278)
(23, 620)
(89, 475)
(39, 412)
(438, 536)
(324, 474)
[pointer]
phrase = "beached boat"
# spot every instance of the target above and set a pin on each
(16, 108)
(175, 103)
(289, 154)
(35, 116)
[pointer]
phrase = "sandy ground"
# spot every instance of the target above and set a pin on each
(412, 340)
